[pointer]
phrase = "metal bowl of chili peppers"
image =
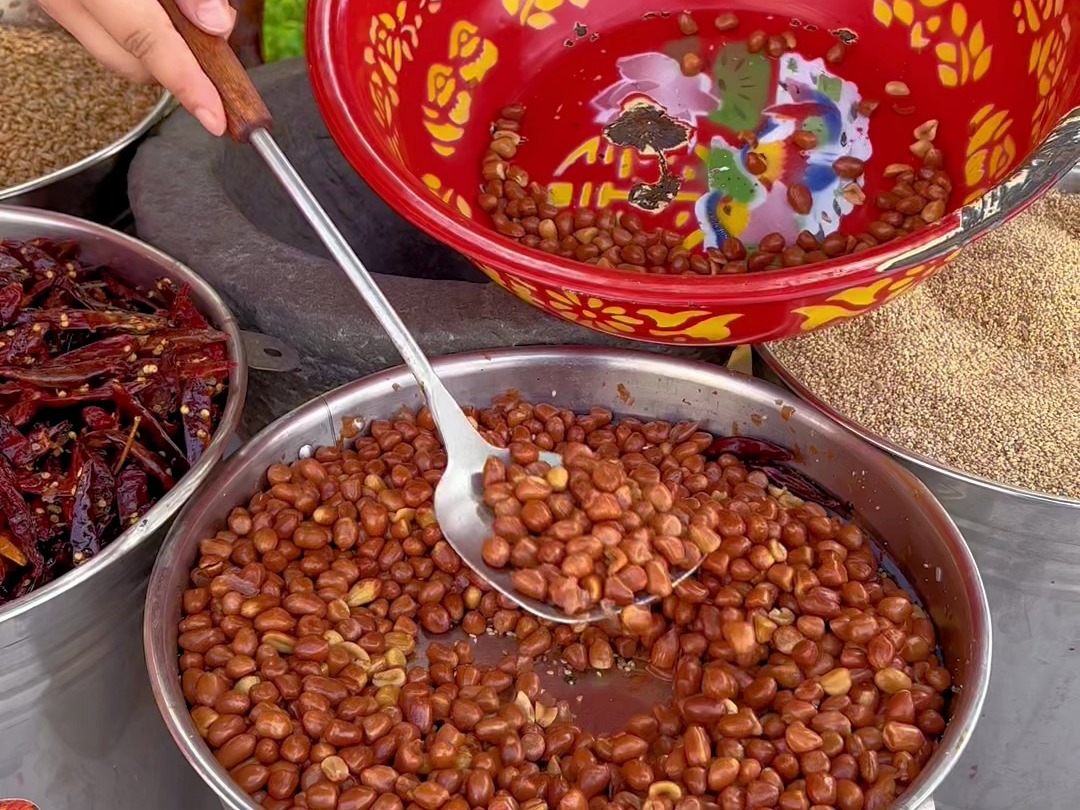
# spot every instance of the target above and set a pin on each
(122, 378)
(750, 420)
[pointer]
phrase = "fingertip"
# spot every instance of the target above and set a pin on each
(213, 121)
(215, 17)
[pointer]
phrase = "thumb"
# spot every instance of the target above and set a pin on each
(213, 16)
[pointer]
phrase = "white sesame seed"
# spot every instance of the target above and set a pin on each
(977, 368)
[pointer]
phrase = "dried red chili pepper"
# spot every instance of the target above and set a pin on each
(11, 268)
(13, 443)
(133, 409)
(111, 349)
(98, 418)
(91, 508)
(18, 515)
(197, 413)
(10, 303)
(115, 320)
(802, 487)
(758, 453)
(30, 255)
(24, 345)
(146, 458)
(132, 495)
(101, 385)
(63, 375)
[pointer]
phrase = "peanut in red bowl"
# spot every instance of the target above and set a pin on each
(410, 92)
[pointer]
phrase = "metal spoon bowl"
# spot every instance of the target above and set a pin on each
(466, 520)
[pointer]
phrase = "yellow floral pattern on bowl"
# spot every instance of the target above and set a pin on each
(537, 14)
(393, 39)
(451, 85)
(448, 195)
(959, 43)
(695, 326)
(991, 150)
(1047, 20)
(859, 300)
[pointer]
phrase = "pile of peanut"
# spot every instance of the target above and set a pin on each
(521, 210)
(800, 675)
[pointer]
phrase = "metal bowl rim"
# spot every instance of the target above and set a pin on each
(910, 456)
(161, 659)
(227, 425)
(162, 108)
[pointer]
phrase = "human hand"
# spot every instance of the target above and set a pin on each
(137, 39)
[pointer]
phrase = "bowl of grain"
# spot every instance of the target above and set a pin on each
(68, 127)
(976, 374)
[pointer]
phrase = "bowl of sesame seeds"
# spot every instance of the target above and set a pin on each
(976, 374)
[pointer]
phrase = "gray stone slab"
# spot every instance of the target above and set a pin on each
(212, 205)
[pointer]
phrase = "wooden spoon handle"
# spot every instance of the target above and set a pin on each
(245, 109)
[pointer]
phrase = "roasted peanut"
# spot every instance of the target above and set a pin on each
(798, 674)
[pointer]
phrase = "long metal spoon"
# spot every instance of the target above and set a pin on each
(464, 519)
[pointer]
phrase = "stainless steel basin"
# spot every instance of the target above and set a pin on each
(915, 530)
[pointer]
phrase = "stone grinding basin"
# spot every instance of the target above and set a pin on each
(914, 530)
(409, 92)
(213, 205)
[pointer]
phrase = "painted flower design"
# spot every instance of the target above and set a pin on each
(659, 78)
(806, 97)
(912, 14)
(991, 150)
(1047, 63)
(966, 57)
(858, 300)
(383, 100)
(592, 312)
(1032, 15)
(961, 48)
(447, 195)
(692, 325)
(393, 146)
(537, 13)
(393, 39)
(523, 290)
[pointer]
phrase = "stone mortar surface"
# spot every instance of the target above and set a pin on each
(213, 206)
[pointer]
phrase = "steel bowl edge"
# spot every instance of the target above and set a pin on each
(909, 457)
(94, 186)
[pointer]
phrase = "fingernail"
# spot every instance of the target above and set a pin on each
(210, 120)
(213, 16)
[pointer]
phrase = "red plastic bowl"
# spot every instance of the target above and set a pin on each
(409, 90)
